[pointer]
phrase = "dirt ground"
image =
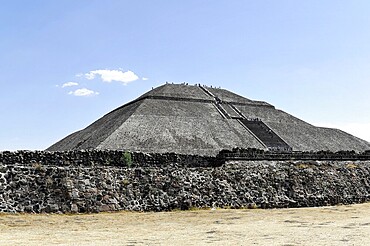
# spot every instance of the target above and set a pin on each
(340, 225)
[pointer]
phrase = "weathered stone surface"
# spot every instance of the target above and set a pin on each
(201, 120)
(240, 184)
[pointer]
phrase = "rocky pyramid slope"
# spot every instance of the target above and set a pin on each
(201, 120)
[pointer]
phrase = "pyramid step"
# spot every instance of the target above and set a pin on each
(266, 135)
(230, 111)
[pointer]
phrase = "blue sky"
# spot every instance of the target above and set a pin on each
(66, 63)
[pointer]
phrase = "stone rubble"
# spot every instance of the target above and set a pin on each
(42, 185)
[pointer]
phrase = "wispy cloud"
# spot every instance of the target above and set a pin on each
(69, 84)
(113, 75)
(84, 92)
(105, 75)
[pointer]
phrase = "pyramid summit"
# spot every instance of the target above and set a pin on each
(195, 119)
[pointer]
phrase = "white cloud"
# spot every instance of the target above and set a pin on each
(90, 75)
(361, 130)
(144, 78)
(69, 84)
(113, 75)
(83, 92)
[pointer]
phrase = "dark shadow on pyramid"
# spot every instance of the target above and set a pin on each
(201, 120)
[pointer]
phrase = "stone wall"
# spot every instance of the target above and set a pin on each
(115, 158)
(58, 186)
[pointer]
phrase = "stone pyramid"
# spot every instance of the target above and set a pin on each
(203, 120)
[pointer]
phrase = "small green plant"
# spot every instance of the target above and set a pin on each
(303, 165)
(352, 165)
(125, 182)
(127, 159)
(38, 166)
(48, 181)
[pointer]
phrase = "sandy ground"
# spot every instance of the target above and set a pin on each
(340, 225)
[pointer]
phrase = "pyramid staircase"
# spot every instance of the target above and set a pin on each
(190, 119)
(263, 133)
